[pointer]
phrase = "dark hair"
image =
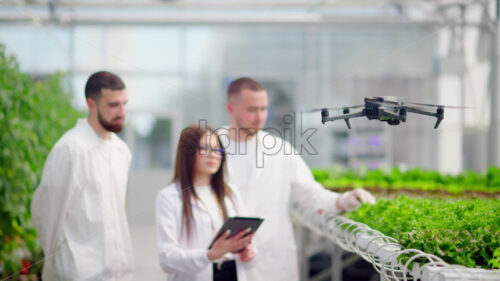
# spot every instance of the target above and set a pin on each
(187, 148)
(102, 80)
(243, 83)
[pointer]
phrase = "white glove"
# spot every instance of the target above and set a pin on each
(351, 200)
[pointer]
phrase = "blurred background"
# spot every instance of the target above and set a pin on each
(178, 56)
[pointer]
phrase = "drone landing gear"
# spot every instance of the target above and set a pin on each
(346, 111)
(439, 116)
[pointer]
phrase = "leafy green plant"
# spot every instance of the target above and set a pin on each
(33, 115)
(463, 232)
(418, 179)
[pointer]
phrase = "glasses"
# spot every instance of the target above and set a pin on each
(206, 149)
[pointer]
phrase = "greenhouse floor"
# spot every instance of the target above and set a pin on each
(146, 266)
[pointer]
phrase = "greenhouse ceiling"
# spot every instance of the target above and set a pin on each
(67, 12)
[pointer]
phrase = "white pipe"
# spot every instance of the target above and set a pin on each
(245, 4)
(179, 17)
(248, 4)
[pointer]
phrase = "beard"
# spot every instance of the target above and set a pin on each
(249, 131)
(110, 127)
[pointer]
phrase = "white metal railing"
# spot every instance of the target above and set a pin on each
(383, 251)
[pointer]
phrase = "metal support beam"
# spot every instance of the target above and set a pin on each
(229, 4)
(337, 263)
(493, 137)
(133, 12)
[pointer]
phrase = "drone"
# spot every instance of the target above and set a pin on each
(392, 110)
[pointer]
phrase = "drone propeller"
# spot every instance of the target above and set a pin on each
(332, 108)
(439, 106)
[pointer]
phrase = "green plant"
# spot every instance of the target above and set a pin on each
(463, 232)
(33, 115)
(415, 178)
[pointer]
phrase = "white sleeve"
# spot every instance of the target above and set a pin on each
(173, 257)
(307, 191)
(50, 200)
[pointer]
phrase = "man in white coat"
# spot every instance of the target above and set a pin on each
(270, 173)
(79, 208)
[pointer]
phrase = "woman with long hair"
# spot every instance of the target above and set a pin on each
(193, 207)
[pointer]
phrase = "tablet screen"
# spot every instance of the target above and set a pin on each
(237, 224)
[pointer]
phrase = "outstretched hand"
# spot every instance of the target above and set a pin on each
(349, 201)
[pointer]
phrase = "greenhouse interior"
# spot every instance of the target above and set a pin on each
(386, 114)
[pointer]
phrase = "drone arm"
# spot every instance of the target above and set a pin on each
(345, 116)
(439, 114)
(420, 111)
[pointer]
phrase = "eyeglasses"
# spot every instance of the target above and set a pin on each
(206, 149)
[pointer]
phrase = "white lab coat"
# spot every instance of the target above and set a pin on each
(78, 209)
(268, 193)
(185, 260)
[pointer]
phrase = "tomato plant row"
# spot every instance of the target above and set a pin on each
(33, 115)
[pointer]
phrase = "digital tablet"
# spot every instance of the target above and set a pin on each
(237, 224)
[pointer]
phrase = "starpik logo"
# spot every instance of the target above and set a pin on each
(291, 139)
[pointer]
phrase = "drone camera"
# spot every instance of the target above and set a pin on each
(393, 122)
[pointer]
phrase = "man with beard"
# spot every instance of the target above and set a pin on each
(79, 208)
(270, 174)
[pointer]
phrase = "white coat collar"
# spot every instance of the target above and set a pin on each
(197, 203)
(85, 126)
(194, 202)
(257, 172)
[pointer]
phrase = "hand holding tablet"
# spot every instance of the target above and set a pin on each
(237, 224)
